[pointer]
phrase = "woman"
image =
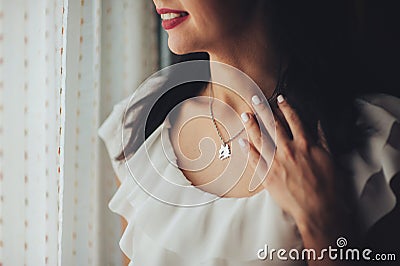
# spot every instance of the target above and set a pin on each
(333, 156)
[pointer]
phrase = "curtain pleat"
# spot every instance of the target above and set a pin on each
(63, 65)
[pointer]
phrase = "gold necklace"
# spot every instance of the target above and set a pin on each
(225, 149)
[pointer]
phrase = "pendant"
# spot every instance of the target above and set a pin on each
(224, 151)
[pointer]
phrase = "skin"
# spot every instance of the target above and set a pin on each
(309, 195)
(244, 44)
(303, 180)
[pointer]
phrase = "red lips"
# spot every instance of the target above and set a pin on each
(171, 23)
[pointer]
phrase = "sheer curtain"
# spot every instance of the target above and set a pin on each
(63, 65)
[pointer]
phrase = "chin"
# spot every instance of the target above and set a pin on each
(178, 51)
(182, 47)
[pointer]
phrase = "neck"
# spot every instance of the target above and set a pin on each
(253, 57)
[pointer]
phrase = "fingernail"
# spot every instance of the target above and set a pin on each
(256, 100)
(245, 117)
(280, 99)
(243, 144)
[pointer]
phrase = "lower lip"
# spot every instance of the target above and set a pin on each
(172, 23)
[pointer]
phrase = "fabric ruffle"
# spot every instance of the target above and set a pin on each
(230, 231)
(379, 160)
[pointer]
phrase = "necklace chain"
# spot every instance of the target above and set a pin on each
(225, 151)
(211, 101)
(215, 122)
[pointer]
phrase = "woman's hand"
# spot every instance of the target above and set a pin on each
(303, 179)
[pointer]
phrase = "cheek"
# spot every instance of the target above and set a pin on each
(211, 21)
(198, 32)
(220, 20)
(217, 16)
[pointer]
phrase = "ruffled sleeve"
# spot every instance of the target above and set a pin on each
(376, 163)
(112, 130)
(111, 134)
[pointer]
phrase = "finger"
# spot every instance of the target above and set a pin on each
(282, 136)
(265, 114)
(256, 162)
(261, 141)
(252, 130)
(292, 118)
(322, 138)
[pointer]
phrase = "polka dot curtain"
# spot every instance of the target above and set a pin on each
(63, 65)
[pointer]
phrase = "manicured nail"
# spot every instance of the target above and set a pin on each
(243, 144)
(280, 99)
(245, 117)
(256, 100)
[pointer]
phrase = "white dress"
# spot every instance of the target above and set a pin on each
(231, 231)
